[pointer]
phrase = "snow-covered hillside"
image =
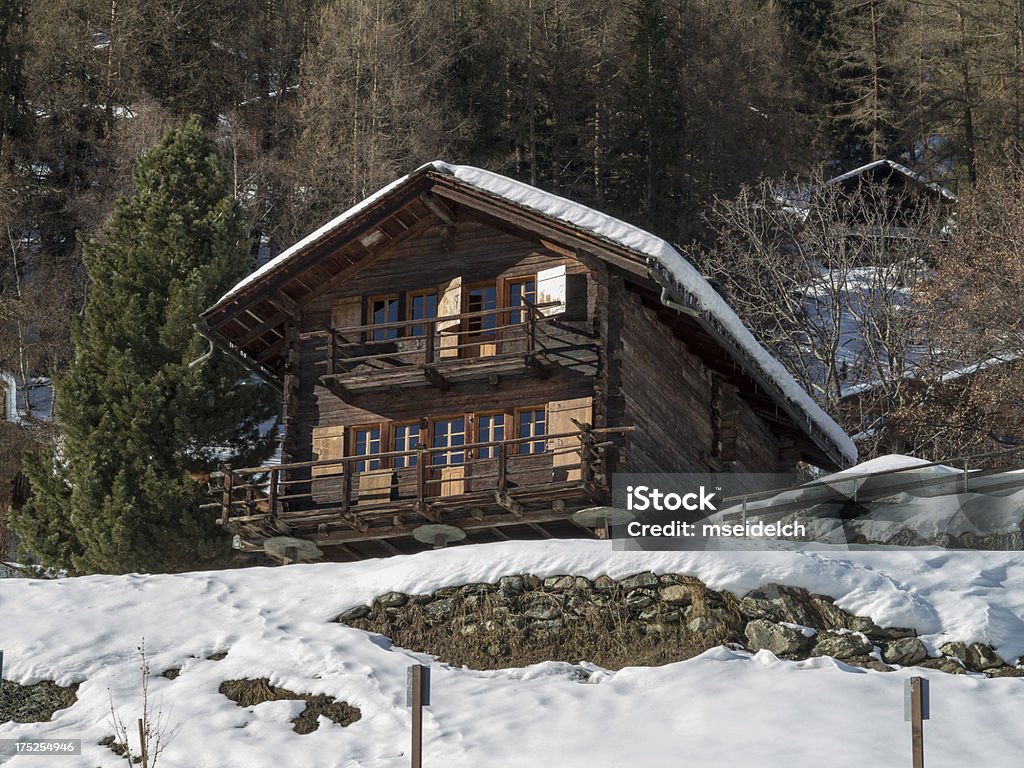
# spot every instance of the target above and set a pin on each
(724, 708)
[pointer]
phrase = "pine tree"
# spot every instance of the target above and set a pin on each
(136, 418)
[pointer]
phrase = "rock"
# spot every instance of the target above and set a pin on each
(639, 598)
(650, 614)
(956, 649)
(905, 651)
(605, 583)
(903, 538)
(702, 624)
(392, 600)
(889, 634)
(867, 662)
(446, 591)
(511, 586)
(831, 616)
(583, 584)
(676, 594)
(531, 582)
(981, 657)
(668, 578)
(638, 580)
(359, 612)
(946, 664)
(766, 635)
(543, 606)
(842, 646)
(559, 583)
(439, 610)
(1006, 672)
(469, 630)
(781, 603)
(861, 624)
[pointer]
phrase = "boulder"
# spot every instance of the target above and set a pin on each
(842, 646)
(981, 657)
(781, 603)
(765, 635)
(359, 612)
(392, 600)
(905, 651)
(559, 583)
(946, 664)
(511, 586)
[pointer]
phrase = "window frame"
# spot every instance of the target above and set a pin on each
(384, 297)
(509, 284)
(353, 441)
(416, 433)
(419, 324)
(478, 438)
(448, 448)
(534, 438)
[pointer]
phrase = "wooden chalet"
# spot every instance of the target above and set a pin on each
(464, 356)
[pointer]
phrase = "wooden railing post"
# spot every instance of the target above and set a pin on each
(346, 484)
(429, 329)
(502, 466)
(421, 476)
(330, 352)
(531, 330)
(225, 510)
(272, 494)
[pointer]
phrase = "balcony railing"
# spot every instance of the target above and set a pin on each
(360, 489)
(489, 337)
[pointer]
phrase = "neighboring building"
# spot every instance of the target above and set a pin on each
(465, 351)
(909, 204)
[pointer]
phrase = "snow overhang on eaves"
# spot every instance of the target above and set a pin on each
(664, 262)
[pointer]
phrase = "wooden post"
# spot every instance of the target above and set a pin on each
(330, 351)
(502, 466)
(916, 710)
(417, 697)
(1, 668)
(346, 484)
(421, 476)
(429, 329)
(225, 511)
(142, 744)
(272, 495)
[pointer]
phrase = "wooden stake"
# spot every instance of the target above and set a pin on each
(417, 716)
(142, 744)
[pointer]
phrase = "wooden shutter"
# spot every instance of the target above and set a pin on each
(375, 485)
(551, 287)
(347, 313)
(560, 414)
(452, 480)
(328, 443)
(449, 302)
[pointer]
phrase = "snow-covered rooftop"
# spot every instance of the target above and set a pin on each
(914, 175)
(655, 250)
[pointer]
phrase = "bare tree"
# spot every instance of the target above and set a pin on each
(824, 274)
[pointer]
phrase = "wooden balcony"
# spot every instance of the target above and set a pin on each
(441, 351)
(386, 496)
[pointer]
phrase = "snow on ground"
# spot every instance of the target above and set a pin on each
(724, 708)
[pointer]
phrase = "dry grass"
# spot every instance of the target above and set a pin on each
(34, 703)
(249, 693)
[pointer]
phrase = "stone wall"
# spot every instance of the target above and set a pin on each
(644, 619)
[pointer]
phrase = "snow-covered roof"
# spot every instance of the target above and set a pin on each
(659, 254)
(914, 175)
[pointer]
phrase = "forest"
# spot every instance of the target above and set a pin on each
(656, 111)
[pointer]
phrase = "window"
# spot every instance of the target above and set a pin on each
(405, 437)
(531, 424)
(490, 427)
(448, 433)
(383, 309)
(365, 442)
(522, 291)
(482, 298)
(422, 306)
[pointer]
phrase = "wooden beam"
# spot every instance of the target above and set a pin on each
(438, 208)
(285, 303)
(541, 530)
(272, 351)
(262, 328)
(436, 378)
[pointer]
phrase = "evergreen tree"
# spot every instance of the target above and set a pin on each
(135, 417)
